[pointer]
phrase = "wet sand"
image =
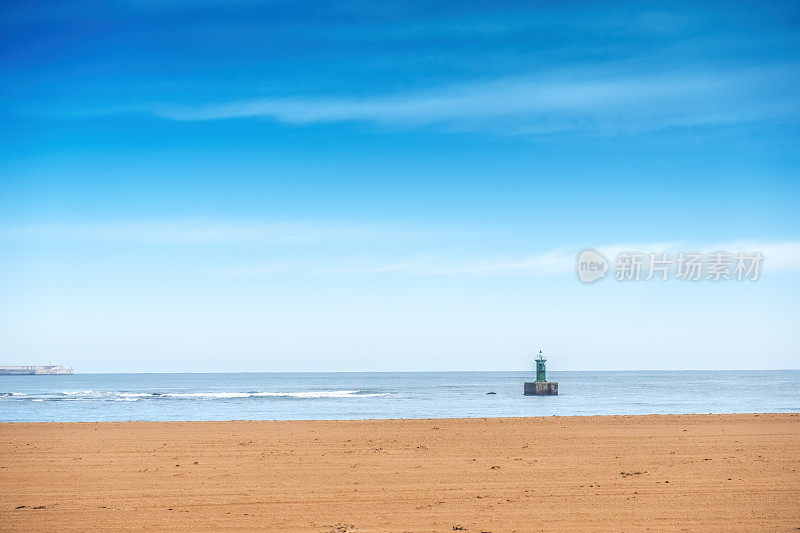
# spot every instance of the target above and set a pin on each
(695, 472)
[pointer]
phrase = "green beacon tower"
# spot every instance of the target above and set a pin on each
(541, 387)
(540, 370)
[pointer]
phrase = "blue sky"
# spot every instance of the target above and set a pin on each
(267, 185)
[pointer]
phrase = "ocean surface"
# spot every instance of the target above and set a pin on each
(313, 396)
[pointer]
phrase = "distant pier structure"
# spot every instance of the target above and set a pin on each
(33, 370)
(541, 387)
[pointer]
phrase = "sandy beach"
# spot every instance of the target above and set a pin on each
(695, 472)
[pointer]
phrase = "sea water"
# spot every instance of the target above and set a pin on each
(326, 396)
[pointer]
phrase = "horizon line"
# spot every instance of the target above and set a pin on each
(443, 371)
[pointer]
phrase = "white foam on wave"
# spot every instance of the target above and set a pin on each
(221, 395)
(308, 394)
(324, 394)
(136, 396)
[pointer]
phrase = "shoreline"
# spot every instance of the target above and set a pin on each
(324, 420)
(597, 472)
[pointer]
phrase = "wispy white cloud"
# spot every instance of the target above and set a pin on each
(779, 256)
(237, 233)
(577, 100)
(362, 256)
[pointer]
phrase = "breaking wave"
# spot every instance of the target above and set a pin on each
(91, 395)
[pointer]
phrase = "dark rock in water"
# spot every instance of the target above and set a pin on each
(491, 393)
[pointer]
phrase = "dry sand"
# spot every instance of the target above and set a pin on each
(693, 472)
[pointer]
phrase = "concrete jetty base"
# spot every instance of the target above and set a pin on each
(541, 388)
